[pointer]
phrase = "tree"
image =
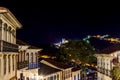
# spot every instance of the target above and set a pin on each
(116, 73)
(79, 51)
(116, 69)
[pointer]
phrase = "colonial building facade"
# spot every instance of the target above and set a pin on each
(67, 71)
(49, 73)
(19, 61)
(105, 61)
(76, 74)
(27, 61)
(8, 47)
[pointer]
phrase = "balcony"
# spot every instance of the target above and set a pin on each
(8, 47)
(33, 65)
(23, 64)
(104, 71)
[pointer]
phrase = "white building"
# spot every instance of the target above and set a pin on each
(67, 71)
(27, 61)
(8, 47)
(49, 73)
(76, 74)
(104, 61)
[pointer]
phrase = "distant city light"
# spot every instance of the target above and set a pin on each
(63, 41)
(103, 37)
(107, 38)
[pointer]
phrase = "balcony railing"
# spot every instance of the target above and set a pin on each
(33, 65)
(104, 71)
(22, 64)
(8, 47)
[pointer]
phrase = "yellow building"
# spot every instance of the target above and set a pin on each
(8, 47)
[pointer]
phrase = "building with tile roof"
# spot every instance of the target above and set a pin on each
(57, 64)
(8, 47)
(105, 59)
(67, 72)
(49, 73)
(76, 74)
(19, 60)
(27, 61)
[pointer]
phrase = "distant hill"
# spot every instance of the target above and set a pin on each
(99, 44)
(48, 49)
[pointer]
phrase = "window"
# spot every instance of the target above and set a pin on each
(9, 34)
(36, 57)
(27, 78)
(110, 65)
(54, 77)
(36, 60)
(51, 78)
(48, 78)
(98, 61)
(74, 77)
(21, 76)
(5, 31)
(57, 76)
(13, 62)
(0, 65)
(32, 60)
(29, 66)
(101, 79)
(0, 23)
(31, 57)
(78, 76)
(0, 26)
(9, 63)
(69, 74)
(4, 64)
(18, 57)
(13, 34)
(101, 62)
(27, 57)
(24, 55)
(21, 56)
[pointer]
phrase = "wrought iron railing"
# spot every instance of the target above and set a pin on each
(33, 65)
(104, 71)
(22, 64)
(8, 47)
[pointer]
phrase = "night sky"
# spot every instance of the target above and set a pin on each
(45, 24)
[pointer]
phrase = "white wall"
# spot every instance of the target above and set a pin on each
(76, 74)
(12, 72)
